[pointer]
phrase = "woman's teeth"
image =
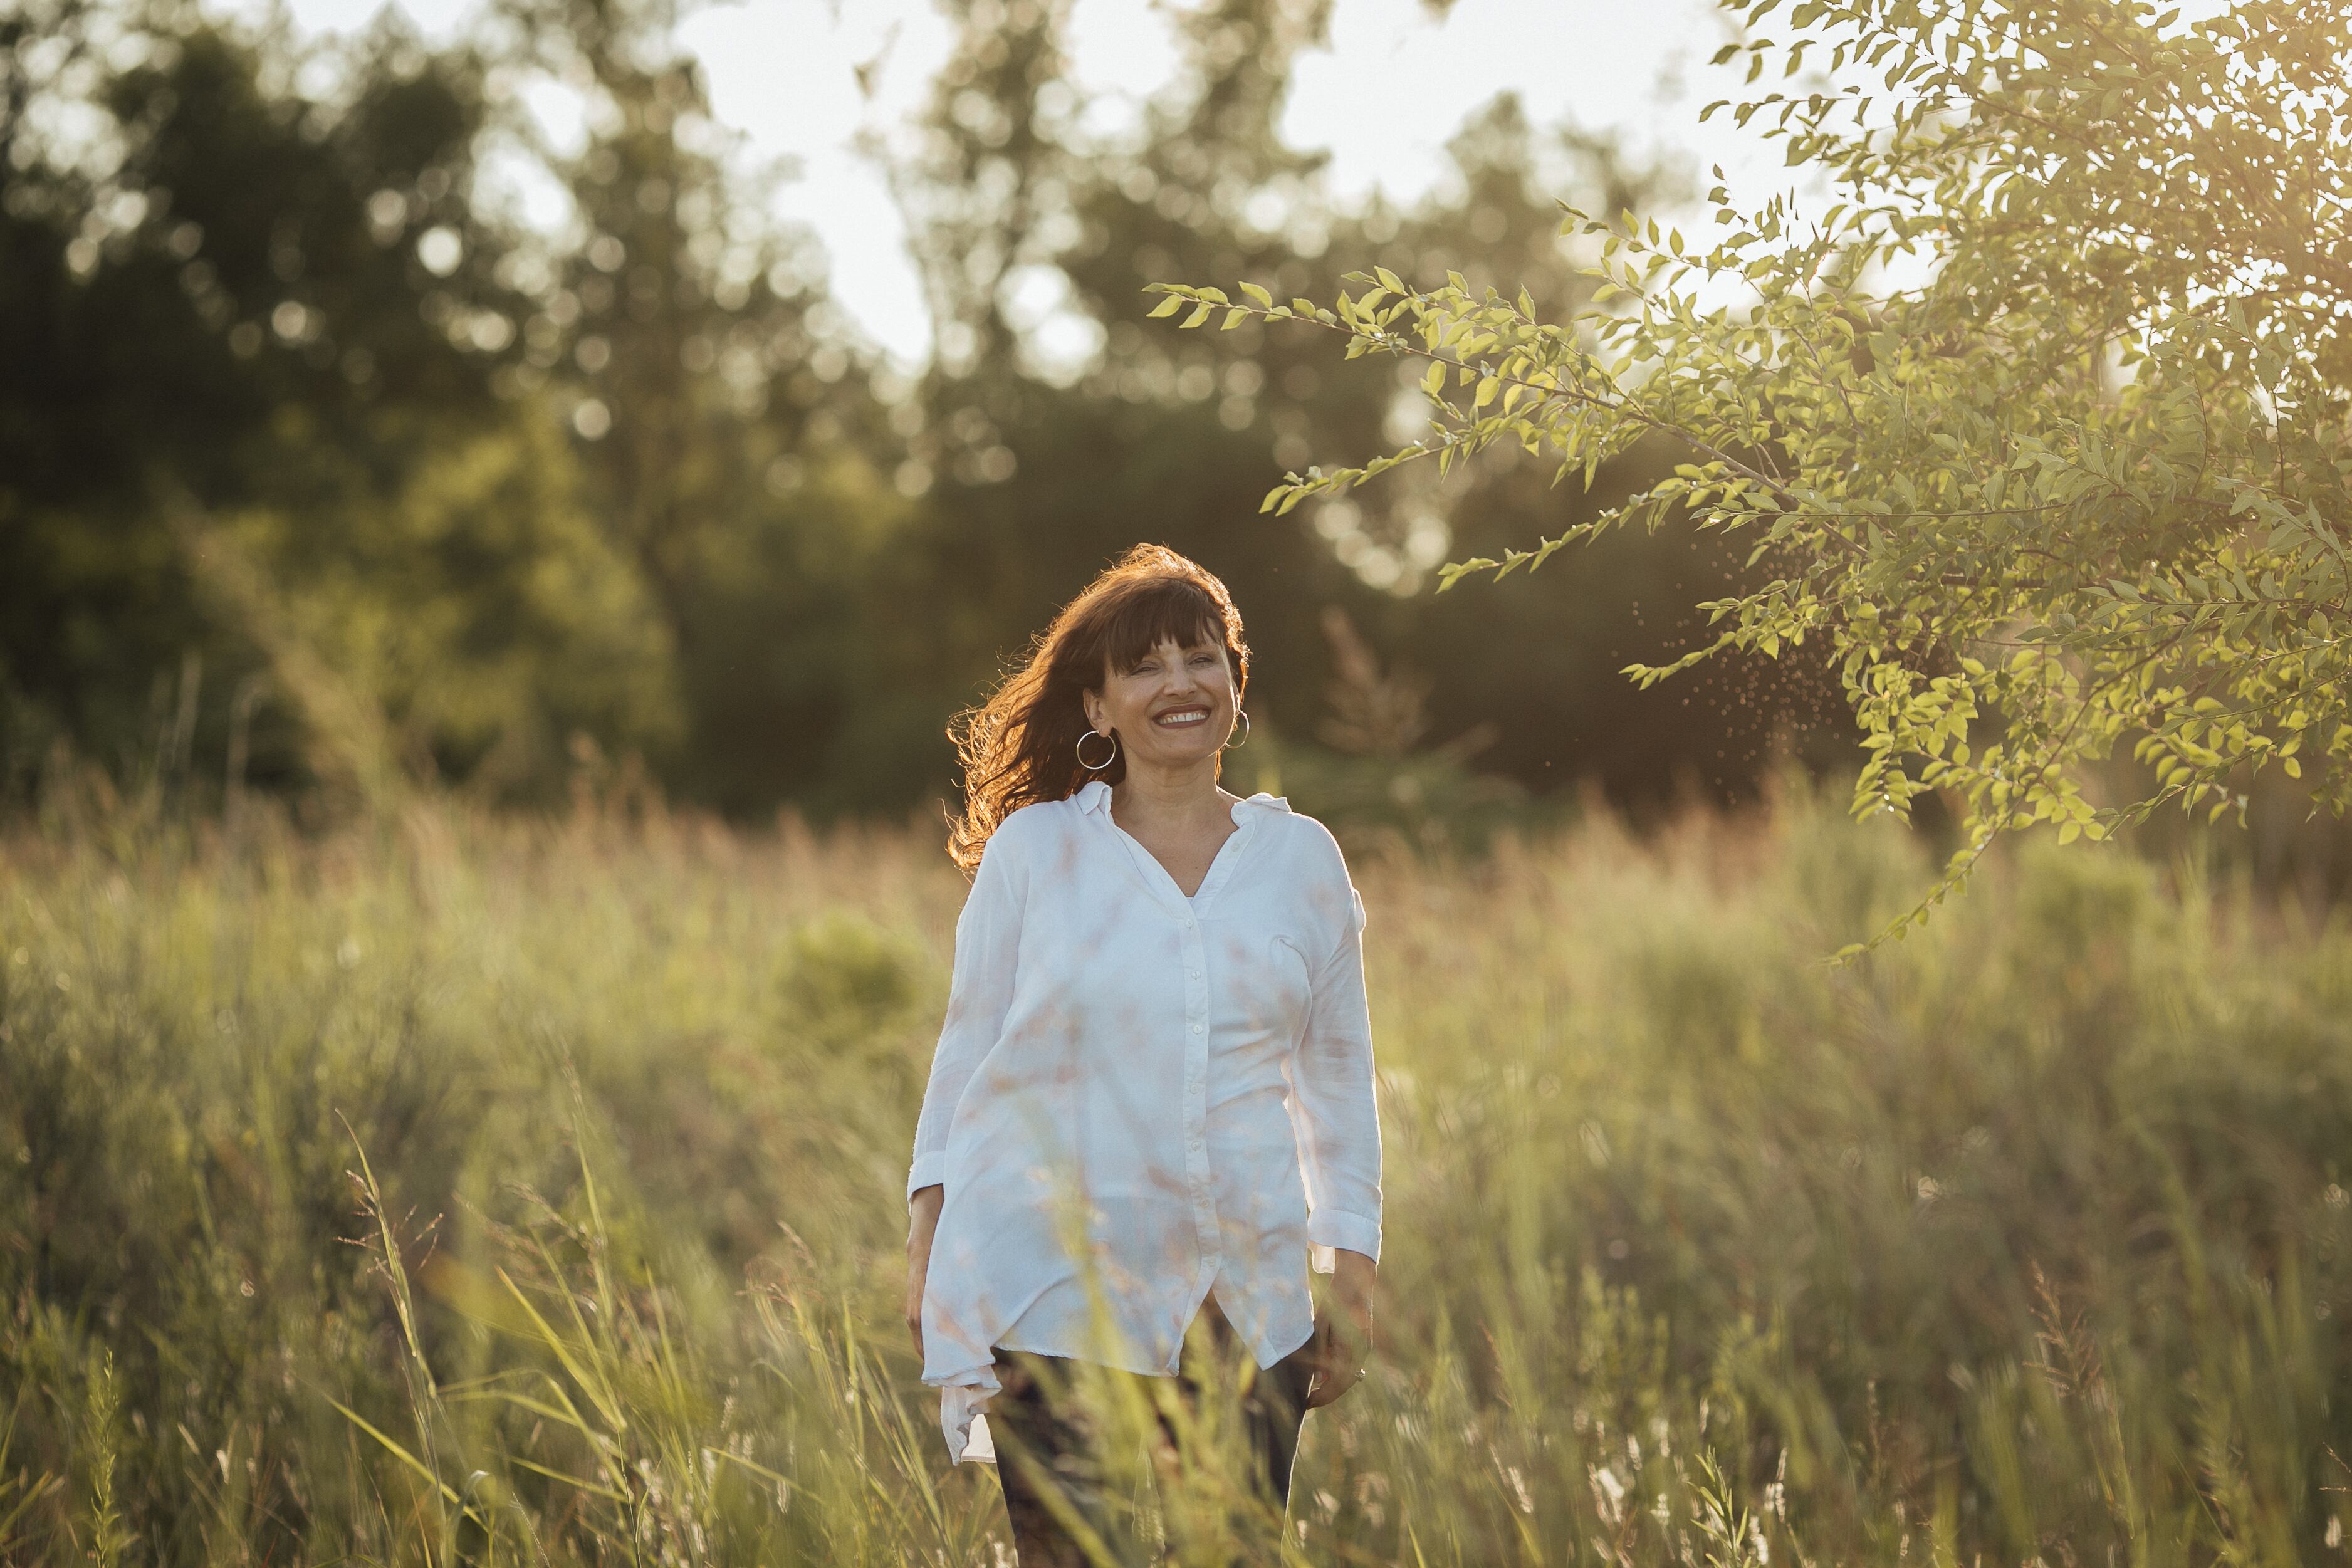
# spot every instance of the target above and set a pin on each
(1189, 715)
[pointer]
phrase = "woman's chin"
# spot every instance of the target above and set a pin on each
(1176, 752)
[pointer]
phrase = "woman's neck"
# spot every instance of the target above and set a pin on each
(1150, 796)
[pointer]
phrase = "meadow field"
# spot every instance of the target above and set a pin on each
(454, 1189)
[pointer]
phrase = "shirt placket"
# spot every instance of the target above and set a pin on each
(1196, 1093)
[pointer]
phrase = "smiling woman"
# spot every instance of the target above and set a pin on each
(1028, 743)
(1152, 1098)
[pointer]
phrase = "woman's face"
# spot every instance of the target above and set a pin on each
(1173, 707)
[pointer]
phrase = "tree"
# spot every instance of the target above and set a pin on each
(1036, 483)
(295, 419)
(325, 460)
(733, 447)
(251, 437)
(2038, 428)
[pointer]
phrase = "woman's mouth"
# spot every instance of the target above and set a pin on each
(1181, 717)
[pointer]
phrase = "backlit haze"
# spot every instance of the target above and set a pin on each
(1393, 83)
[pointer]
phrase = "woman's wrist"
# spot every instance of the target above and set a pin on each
(1352, 1283)
(923, 1217)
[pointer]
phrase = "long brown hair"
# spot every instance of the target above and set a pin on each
(1020, 745)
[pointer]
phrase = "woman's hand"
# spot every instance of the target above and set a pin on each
(1343, 1329)
(922, 1219)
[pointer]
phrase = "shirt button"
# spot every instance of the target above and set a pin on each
(1196, 1029)
(1196, 974)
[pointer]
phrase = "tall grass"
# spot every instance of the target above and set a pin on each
(458, 1190)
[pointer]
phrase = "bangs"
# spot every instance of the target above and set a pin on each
(1168, 609)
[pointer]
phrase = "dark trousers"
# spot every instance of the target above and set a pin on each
(1070, 1499)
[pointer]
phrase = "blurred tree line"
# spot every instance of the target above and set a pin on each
(321, 465)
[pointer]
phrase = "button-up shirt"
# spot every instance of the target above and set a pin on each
(1143, 1098)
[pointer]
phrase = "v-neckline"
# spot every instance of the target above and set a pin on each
(1217, 862)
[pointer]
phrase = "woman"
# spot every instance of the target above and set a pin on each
(1153, 1092)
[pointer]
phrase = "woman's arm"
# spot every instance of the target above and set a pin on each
(922, 1220)
(1333, 1107)
(979, 994)
(1336, 1113)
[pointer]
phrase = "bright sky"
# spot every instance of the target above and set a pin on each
(1383, 98)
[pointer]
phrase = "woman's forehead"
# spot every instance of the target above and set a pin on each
(1199, 637)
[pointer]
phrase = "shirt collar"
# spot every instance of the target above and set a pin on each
(1095, 795)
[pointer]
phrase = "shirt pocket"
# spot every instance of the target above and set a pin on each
(1282, 987)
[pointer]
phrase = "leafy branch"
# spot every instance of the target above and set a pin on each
(2125, 365)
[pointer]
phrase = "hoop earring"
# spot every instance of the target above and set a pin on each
(1081, 749)
(1234, 745)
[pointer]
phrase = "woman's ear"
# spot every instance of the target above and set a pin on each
(1092, 702)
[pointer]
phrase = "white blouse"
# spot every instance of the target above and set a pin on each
(1152, 1095)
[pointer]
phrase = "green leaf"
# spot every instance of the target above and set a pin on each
(1166, 306)
(1258, 294)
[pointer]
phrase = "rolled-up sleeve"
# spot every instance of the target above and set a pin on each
(979, 994)
(1333, 1106)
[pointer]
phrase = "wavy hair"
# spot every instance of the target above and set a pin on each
(1019, 746)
